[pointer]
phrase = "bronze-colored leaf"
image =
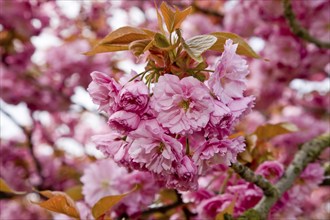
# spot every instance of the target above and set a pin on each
(168, 15)
(119, 40)
(75, 192)
(138, 47)
(4, 187)
(150, 33)
(160, 21)
(268, 131)
(106, 203)
(180, 16)
(103, 48)
(242, 49)
(125, 35)
(59, 202)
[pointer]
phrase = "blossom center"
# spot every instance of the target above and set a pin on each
(184, 104)
(105, 184)
(161, 147)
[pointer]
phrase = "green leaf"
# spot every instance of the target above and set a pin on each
(119, 40)
(139, 47)
(268, 131)
(59, 202)
(242, 49)
(160, 41)
(4, 187)
(197, 45)
(106, 203)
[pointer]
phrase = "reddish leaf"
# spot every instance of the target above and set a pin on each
(4, 187)
(242, 49)
(119, 40)
(106, 203)
(59, 202)
(268, 131)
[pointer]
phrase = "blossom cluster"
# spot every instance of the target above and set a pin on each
(181, 128)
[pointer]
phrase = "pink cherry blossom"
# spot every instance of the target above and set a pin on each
(124, 122)
(182, 105)
(209, 208)
(112, 145)
(247, 196)
(134, 96)
(272, 170)
(99, 180)
(153, 149)
(215, 151)
(185, 177)
(104, 91)
(228, 80)
(141, 198)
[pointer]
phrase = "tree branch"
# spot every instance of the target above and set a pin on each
(207, 11)
(28, 134)
(307, 154)
(163, 209)
(297, 29)
(258, 180)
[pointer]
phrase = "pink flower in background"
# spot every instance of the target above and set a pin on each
(99, 180)
(283, 49)
(153, 149)
(312, 176)
(112, 145)
(141, 198)
(247, 196)
(134, 96)
(241, 105)
(124, 122)
(104, 91)
(209, 208)
(271, 170)
(185, 177)
(215, 151)
(23, 210)
(183, 106)
(229, 79)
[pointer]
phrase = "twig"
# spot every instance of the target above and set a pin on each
(207, 11)
(28, 134)
(307, 154)
(260, 181)
(163, 209)
(297, 29)
(202, 10)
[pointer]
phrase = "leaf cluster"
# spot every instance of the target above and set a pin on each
(166, 50)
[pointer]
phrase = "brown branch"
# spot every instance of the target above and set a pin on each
(207, 11)
(163, 209)
(297, 29)
(28, 134)
(258, 180)
(307, 154)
